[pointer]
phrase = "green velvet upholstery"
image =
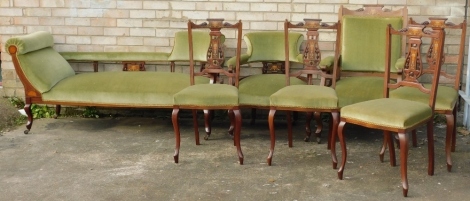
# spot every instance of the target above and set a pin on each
(115, 56)
(255, 90)
(269, 46)
(327, 63)
(180, 50)
(363, 43)
(305, 96)
(400, 113)
(352, 90)
(142, 89)
(208, 95)
(41, 64)
(446, 96)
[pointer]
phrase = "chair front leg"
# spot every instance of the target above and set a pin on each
(454, 128)
(238, 126)
(343, 150)
(207, 124)
(403, 138)
(332, 137)
(27, 109)
(272, 135)
(176, 128)
(289, 128)
(196, 127)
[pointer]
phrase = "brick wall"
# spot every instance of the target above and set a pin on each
(149, 25)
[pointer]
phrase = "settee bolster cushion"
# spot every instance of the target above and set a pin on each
(388, 112)
(40, 63)
(31, 42)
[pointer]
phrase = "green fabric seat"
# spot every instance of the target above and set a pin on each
(352, 90)
(305, 96)
(446, 96)
(255, 90)
(142, 89)
(400, 113)
(210, 95)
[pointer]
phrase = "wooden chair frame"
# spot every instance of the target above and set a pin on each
(412, 71)
(213, 68)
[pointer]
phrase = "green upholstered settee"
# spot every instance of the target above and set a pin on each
(255, 90)
(180, 52)
(49, 79)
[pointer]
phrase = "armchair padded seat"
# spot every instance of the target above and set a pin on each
(256, 89)
(143, 89)
(358, 89)
(210, 95)
(446, 96)
(400, 113)
(305, 96)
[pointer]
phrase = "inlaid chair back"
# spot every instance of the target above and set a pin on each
(304, 98)
(212, 95)
(400, 115)
(449, 83)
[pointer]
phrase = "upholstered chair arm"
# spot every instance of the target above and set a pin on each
(400, 64)
(243, 60)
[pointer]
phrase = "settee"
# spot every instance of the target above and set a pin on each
(49, 79)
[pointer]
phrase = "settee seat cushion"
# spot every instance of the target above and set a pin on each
(305, 96)
(352, 90)
(446, 96)
(142, 89)
(388, 112)
(255, 90)
(208, 95)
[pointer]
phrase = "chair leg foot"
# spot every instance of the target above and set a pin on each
(405, 192)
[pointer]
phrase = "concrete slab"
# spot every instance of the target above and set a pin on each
(131, 158)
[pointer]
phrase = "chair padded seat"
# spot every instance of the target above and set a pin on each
(152, 89)
(446, 96)
(255, 90)
(210, 95)
(305, 96)
(358, 89)
(388, 112)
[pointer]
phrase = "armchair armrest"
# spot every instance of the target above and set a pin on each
(327, 63)
(400, 64)
(243, 60)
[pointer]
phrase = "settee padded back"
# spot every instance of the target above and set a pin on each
(180, 51)
(42, 65)
(363, 43)
(269, 46)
